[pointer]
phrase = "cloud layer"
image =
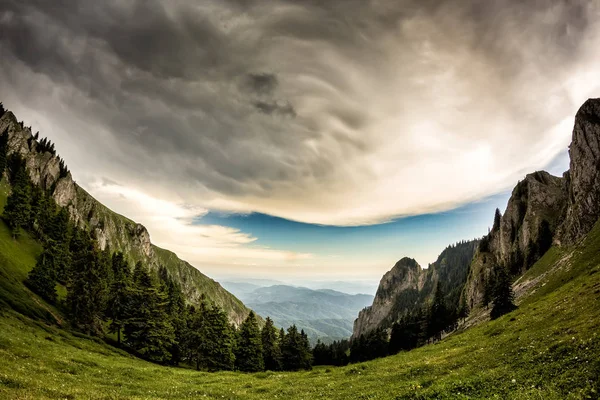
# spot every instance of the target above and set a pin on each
(338, 112)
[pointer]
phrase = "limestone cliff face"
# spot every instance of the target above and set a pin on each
(583, 176)
(109, 228)
(403, 278)
(569, 205)
(407, 287)
(539, 197)
(543, 209)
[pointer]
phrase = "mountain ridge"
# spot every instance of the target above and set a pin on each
(543, 210)
(109, 228)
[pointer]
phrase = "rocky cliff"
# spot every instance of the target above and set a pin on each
(544, 209)
(407, 286)
(110, 228)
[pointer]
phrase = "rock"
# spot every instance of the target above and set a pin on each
(109, 228)
(584, 175)
(407, 287)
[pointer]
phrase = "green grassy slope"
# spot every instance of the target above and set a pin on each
(547, 349)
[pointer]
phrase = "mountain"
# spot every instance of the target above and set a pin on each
(407, 286)
(543, 210)
(349, 287)
(109, 228)
(323, 314)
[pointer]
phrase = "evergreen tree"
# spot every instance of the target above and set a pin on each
(437, 314)
(176, 311)
(503, 298)
(248, 352)
(295, 350)
(270, 346)
(2, 109)
(87, 289)
(42, 278)
(219, 341)
(147, 327)
(3, 150)
(305, 351)
(208, 339)
(119, 295)
(17, 211)
(497, 218)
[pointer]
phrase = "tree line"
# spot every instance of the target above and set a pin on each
(415, 328)
(144, 309)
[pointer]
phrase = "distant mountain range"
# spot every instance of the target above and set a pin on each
(324, 314)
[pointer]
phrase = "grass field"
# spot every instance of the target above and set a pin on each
(549, 348)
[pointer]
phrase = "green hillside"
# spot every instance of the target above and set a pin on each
(549, 348)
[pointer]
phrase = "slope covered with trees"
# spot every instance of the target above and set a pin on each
(48, 174)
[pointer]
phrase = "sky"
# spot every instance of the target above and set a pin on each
(302, 140)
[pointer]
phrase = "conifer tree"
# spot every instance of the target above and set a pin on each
(147, 327)
(270, 346)
(438, 314)
(248, 352)
(176, 311)
(305, 351)
(218, 349)
(503, 298)
(88, 288)
(3, 150)
(294, 350)
(17, 211)
(42, 278)
(119, 295)
(497, 218)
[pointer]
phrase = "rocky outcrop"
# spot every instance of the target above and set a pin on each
(545, 209)
(584, 175)
(542, 210)
(109, 228)
(407, 287)
(400, 281)
(536, 207)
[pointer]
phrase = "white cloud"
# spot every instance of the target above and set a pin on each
(171, 226)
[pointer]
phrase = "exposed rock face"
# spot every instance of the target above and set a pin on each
(109, 228)
(584, 175)
(401, 279)
(407, 287)
(570, 206)
(542, 209)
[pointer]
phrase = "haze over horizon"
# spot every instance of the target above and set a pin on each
(302, 141)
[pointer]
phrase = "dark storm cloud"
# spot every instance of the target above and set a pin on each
(275, 108)
(262, 83)
(298, 103)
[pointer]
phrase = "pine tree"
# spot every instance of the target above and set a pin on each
(497, 218)
(2, 109)
(17, 211)
(88, 288)
(438, 314)
(42, 278)
(219, 345)
(176, 311)
(147, 327)
(305, 351)
(270, 346)
(248, 352)
(118, 295)
(294, 350)
(503, 298)
(3, 150)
